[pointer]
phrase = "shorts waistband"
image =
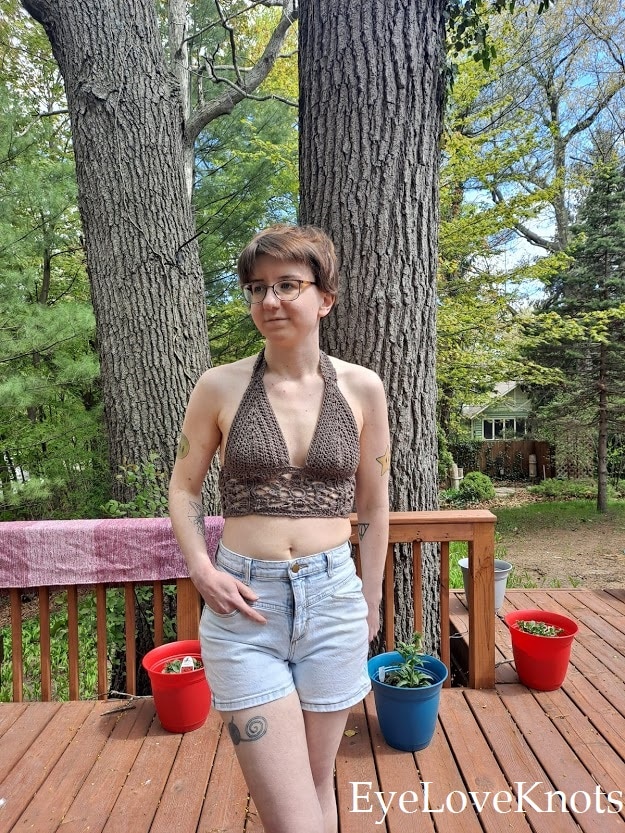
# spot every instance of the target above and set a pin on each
(307, 565)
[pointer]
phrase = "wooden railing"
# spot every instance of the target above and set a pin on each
(475, 527)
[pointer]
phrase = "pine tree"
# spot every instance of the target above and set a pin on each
(581, 330)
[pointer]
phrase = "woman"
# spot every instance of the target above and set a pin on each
(287, 623)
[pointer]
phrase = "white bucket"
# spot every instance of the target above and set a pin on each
(502, 571)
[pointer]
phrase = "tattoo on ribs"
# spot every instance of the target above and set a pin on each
(183, 446)
(362, 531)
(385, 460)
(197, 518)
(255, 728)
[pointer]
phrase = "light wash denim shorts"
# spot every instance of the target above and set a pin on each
(315, 641)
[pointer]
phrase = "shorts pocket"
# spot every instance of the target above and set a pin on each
(208, 609)
(351, 588)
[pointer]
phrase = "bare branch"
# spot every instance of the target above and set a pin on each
(223, 104)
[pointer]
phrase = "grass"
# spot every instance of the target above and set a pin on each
(561, 514)
(530, 517)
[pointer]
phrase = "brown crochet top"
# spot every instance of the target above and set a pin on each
(257, 477)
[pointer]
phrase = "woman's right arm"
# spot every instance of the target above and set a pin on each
(199, 440)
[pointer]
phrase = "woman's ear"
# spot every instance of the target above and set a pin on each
(327, 302)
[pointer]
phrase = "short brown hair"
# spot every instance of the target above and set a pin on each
(303, 244)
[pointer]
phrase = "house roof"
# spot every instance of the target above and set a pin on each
(500, 390)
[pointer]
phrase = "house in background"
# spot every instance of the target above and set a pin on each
(505, 417)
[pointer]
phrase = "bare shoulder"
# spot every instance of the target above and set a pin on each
(360, 381)
(225, 381)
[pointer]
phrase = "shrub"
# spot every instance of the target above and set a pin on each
(476, 487)
(563, 489)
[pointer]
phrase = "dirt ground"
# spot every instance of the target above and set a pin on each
(590, 555)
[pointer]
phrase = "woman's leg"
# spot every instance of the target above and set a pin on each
(271, 746)
(324, 731)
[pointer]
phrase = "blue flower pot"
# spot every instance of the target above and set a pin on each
(407, 716)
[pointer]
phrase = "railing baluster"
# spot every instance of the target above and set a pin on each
(72, 640)
(16, 642)
(389, 599)
(101, 639)
(444, 609)
(159, 614)
(417, 586)
(131, 643)
(44, 643)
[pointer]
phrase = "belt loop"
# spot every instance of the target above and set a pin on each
(248, 571)
(330, 563)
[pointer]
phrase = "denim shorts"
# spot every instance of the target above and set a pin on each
(315, 641)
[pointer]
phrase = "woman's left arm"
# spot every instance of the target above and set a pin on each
(372, 499)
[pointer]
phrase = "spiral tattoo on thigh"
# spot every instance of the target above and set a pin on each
(255, 728)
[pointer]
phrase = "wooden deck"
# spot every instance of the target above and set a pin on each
(74, 768)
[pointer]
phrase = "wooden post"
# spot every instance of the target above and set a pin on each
(188, 610)
(482, 607)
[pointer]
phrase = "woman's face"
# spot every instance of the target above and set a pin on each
(280, 319)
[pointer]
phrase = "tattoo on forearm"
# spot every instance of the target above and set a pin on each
(255, 728)
(197, 518)
(183, 447)
(362, 531)
(385, 460)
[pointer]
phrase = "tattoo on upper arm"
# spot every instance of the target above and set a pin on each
(385, 460)
(183, 446)
(197, 518)
(362, 531)
(254, 729)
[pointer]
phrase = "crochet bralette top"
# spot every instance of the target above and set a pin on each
(257, 477)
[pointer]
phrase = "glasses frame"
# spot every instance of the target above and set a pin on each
(272, 286)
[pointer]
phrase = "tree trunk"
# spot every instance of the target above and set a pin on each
(602, 445)
(146, 280)
(371, 97)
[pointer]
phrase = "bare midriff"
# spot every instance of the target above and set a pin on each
(279, 539)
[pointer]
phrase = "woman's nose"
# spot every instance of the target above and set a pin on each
(271, 299)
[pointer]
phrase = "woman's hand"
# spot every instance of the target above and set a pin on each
(373, 620)
(224, 594)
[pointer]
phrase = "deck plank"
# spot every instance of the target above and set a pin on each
(479, 767)
(397, 772)
(139, 797)
(56, 794)
(23, 732)
(565, 770)
(29, 773)
(94, 802)
(9, 714)
(520, 766)
(226, 804)
(181, 802)
(354, 763)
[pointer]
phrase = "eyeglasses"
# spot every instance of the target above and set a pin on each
(285, 290)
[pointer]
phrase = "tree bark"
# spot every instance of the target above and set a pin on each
(602, 445)
(146, 281)
(371, 99)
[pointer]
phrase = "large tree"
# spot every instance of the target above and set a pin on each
(371, 95)
(581, 328)
(133, 136)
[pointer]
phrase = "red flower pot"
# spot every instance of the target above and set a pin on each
(182, 701)
(541, 661)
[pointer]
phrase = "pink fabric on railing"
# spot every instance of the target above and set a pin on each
(47, 553)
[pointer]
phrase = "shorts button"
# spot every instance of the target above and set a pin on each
(295, 568)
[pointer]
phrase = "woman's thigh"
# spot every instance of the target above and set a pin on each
(271, 746)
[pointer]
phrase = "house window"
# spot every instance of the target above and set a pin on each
(503, 429)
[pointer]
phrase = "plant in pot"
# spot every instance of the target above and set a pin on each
(181, 692)
(541, 646)
(407, 687)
